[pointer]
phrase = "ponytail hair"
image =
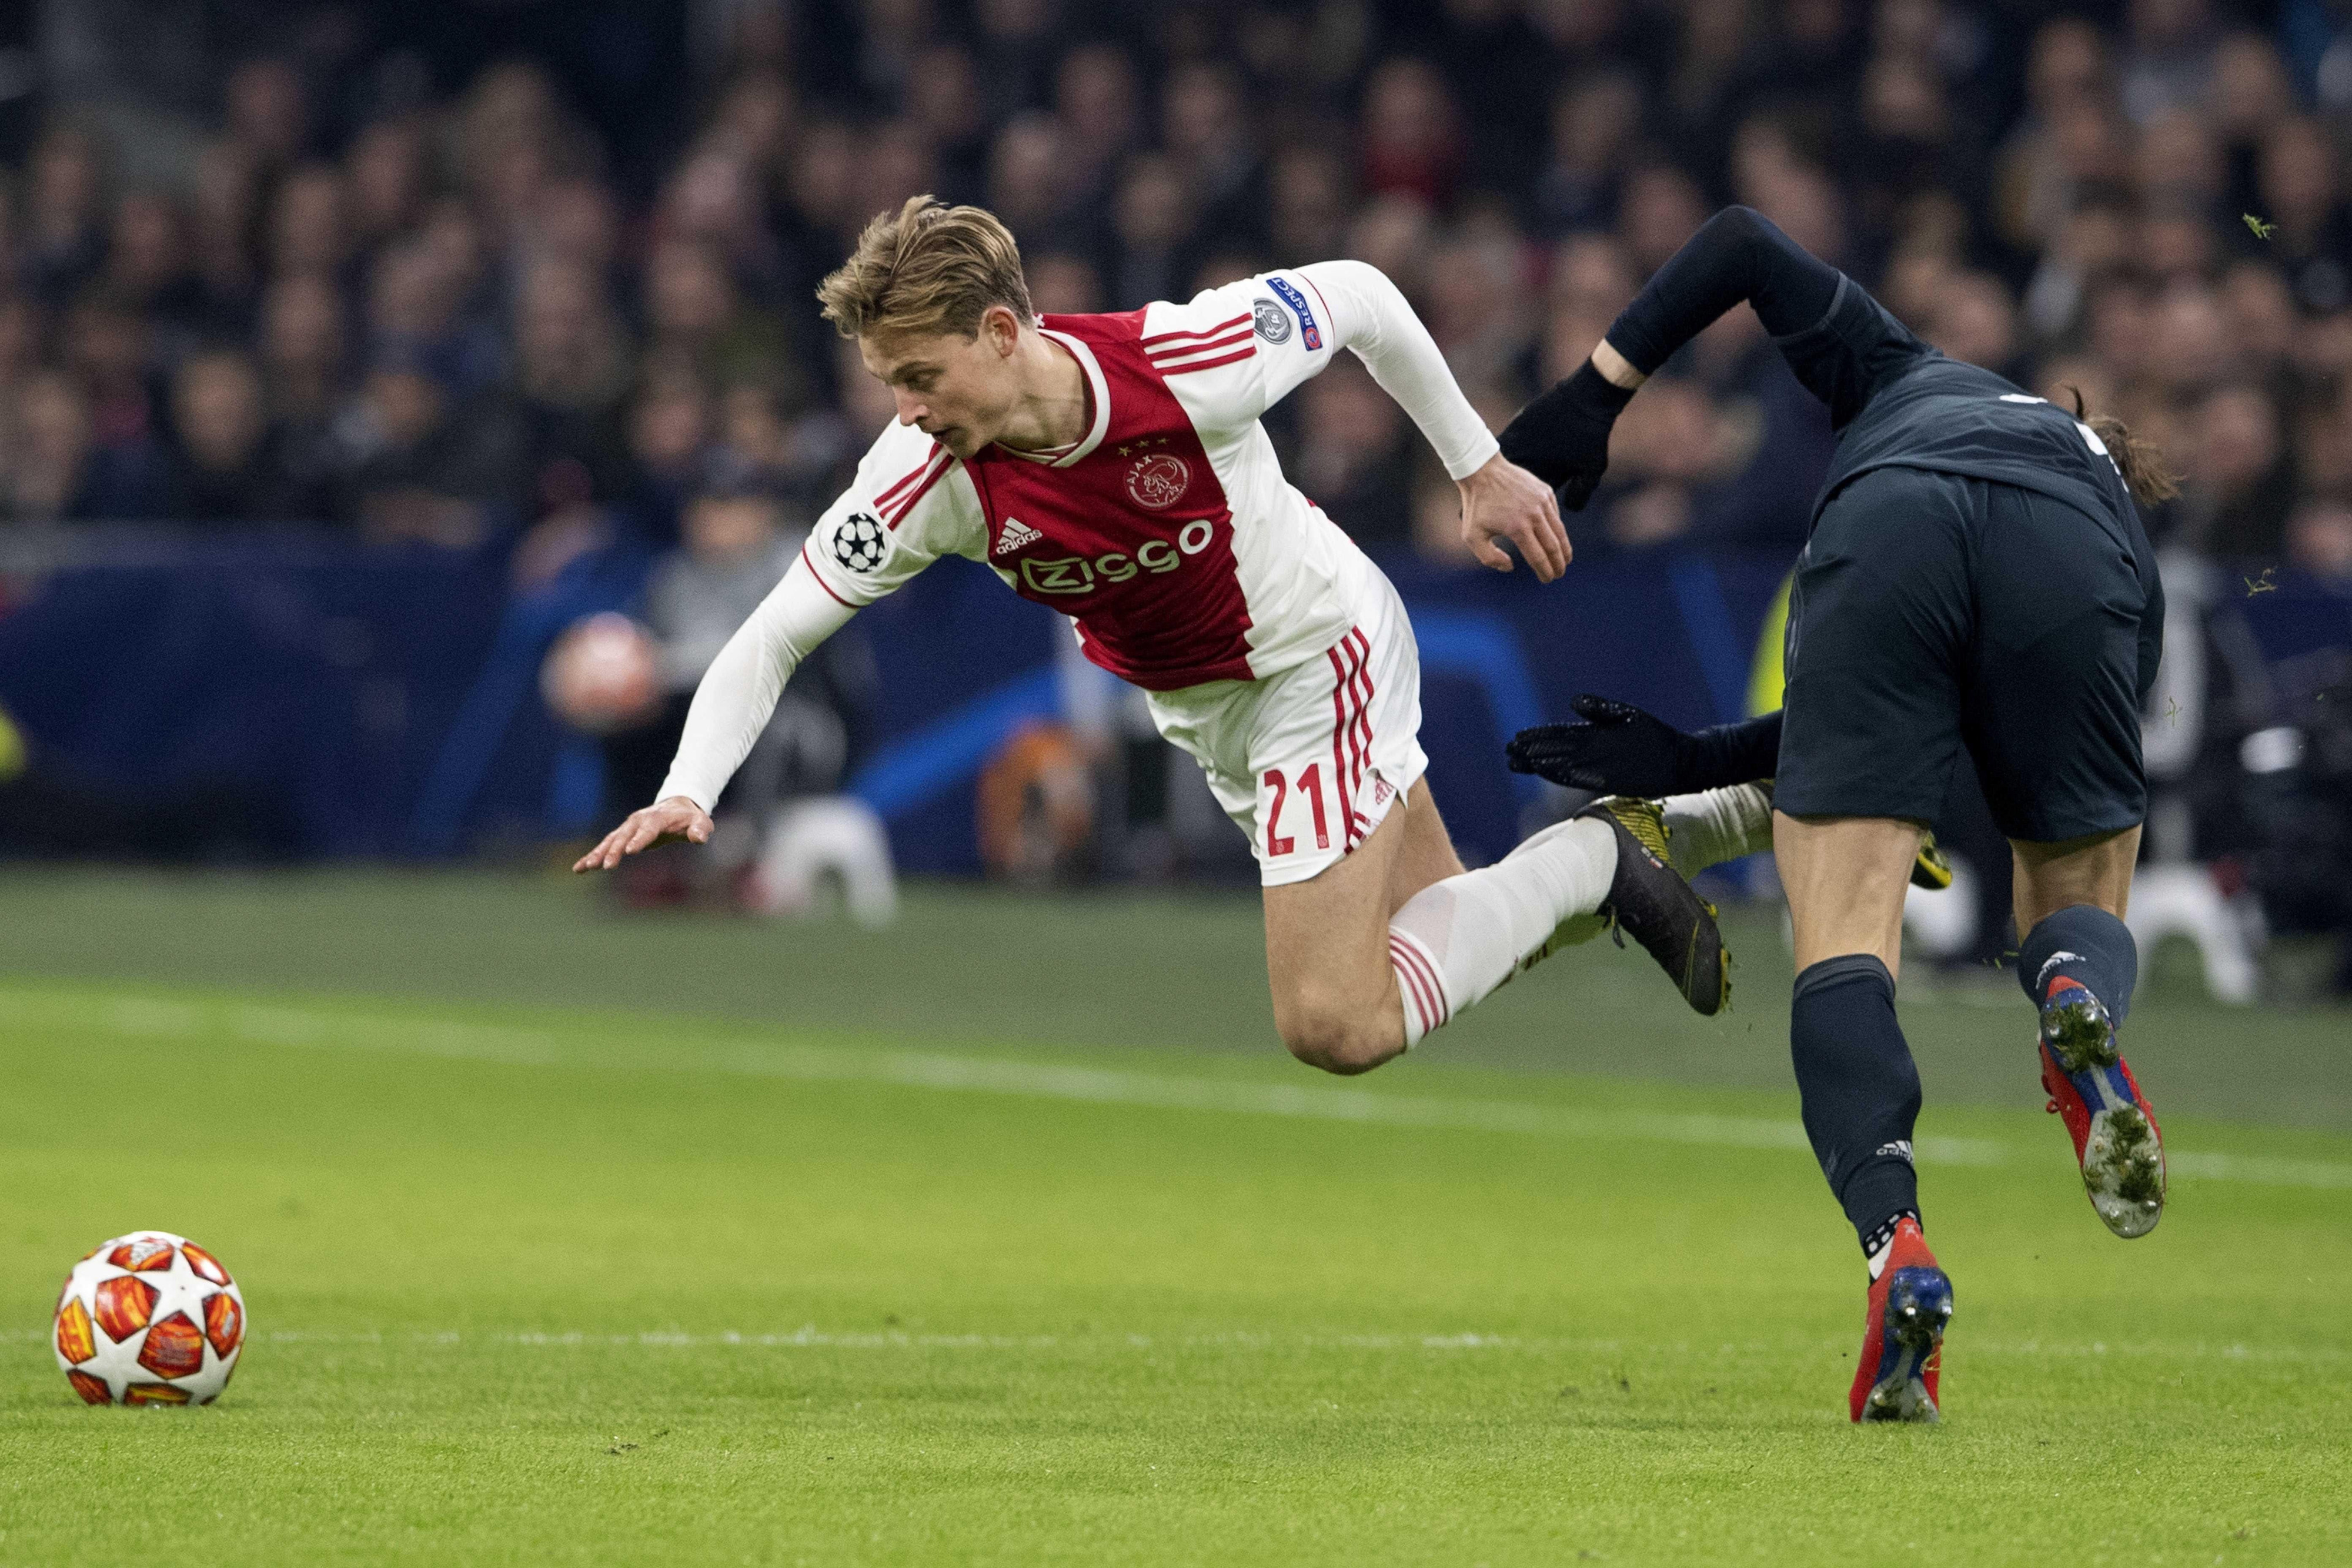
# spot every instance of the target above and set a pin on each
(2146, 473)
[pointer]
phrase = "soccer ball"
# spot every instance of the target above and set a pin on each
(603, 674)
(150, 1318)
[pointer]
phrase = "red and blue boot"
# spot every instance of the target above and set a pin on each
(1903, 1340)
(2115, 1133)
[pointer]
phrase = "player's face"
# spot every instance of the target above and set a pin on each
(956, 390)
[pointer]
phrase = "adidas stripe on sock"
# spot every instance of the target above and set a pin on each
(1456, 941)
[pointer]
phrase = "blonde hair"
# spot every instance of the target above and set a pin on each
(926, 268)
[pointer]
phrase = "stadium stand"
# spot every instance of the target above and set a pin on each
(475, 293)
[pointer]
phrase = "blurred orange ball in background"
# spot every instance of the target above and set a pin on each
(602, 675)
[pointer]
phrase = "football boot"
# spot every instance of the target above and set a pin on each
(2115, 1133)
(1931, 869)
(1649, 901)
(1903, 1335)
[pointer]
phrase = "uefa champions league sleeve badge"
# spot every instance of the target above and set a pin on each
(859, 542)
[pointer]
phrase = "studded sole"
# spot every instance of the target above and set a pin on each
(1918, 1309)
(2123, 1154)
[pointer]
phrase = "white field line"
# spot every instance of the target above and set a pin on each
(809, 1337)
(980, 1074)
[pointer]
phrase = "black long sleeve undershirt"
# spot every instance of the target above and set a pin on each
(1729, 754)
(1738, 254)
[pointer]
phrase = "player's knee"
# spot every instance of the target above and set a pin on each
(1336, 1040)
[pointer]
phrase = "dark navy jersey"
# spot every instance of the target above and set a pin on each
(1897, 403)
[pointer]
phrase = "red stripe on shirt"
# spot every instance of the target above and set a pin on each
(1327, 309)
(1210, 332)
(1174, 362)
(1169, 356)
(821, 581)
(895, 493)
(896, 513)
(1206, 364)
(930, 458)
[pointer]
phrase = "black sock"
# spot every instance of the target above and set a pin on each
(1860, 1088)
(2085, 944)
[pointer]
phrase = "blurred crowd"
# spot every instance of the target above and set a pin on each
(537, 279)
(443, 316)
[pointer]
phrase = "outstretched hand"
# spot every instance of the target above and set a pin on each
(676, 818)
(1503, 501)
(1617, 751)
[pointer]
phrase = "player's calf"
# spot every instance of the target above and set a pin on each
(1859, 1092)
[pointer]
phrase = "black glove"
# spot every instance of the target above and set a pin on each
(1618, 750)
(1562, 437)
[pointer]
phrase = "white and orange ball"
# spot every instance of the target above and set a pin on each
(603, 674)
(150, 1318)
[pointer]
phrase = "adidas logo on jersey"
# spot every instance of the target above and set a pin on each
(1016, 535)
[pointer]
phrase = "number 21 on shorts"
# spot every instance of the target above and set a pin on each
(1309, 784)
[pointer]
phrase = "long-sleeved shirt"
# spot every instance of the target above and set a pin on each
(1167, 532)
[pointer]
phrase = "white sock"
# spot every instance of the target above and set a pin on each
(1718, 825)
(1456, 941)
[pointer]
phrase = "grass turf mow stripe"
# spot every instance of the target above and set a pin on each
(956, 1072)
(589, 1286)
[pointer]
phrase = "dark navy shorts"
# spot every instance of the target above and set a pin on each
(1934, 613)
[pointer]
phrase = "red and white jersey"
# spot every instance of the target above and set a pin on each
(1167, 532)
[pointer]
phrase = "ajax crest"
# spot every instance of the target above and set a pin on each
(1158, 481)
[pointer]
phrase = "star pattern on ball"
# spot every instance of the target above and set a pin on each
(138, 1331)
(179, 1292)
(176, 1290)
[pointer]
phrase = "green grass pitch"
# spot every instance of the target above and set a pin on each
(1011, 1238)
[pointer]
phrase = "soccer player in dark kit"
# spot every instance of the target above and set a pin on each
(1977, 579)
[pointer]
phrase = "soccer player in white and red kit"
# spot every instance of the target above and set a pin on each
(1113, 467)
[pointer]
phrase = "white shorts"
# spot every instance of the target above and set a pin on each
(1308, 762)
